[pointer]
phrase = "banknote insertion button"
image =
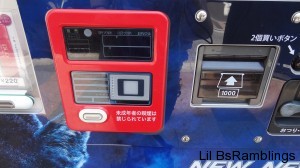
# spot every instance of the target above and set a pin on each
(232, 76)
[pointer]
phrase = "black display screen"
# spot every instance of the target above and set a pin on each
(109, 44)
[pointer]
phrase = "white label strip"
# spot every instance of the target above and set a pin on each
(12, 81)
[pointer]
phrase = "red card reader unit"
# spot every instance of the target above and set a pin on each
(111, 67)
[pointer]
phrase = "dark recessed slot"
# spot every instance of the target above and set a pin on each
(288, 121)
(132, 103)
(217, 101)
(79, 50)
(234, 57)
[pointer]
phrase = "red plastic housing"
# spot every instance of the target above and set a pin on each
(58, 18)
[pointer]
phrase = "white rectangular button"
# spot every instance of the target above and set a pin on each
(92, 116)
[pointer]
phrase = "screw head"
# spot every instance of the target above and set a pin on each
(185, 138)
(258, 139)
(201, 15)
(5, 20)
(87, 32)
(296, 17)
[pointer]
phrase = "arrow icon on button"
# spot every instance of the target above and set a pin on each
(291, 50)
(230, 81)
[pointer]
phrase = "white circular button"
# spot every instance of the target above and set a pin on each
(93, 115)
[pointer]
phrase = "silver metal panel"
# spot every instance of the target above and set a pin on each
(90, 87)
